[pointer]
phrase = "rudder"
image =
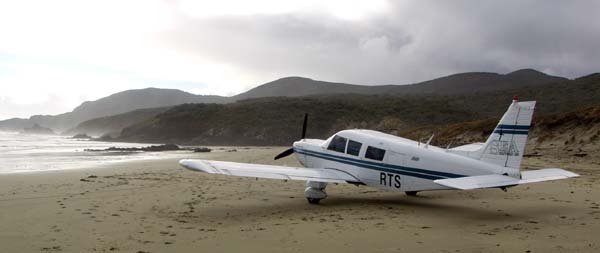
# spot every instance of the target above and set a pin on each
(506, 145)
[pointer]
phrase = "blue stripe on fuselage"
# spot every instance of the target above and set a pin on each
(414, 172)
(502, 131)
(513, 127)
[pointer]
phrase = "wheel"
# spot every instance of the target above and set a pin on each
(313, 201)
(411, 193)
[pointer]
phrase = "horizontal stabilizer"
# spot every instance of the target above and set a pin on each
(476, 182)
(269, 171)
(532, 176)
(494, 180)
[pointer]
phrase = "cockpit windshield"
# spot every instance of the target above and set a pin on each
(338, 144)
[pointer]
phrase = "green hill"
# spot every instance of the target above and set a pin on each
(280, 104)
(114, 124)
(277, 121)
(114, 104)
(462, 83)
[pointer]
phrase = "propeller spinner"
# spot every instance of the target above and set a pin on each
(290, 151)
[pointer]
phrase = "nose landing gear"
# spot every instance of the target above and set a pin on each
(313, 201)
(315, 192)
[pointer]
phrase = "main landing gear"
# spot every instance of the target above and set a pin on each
(315, 192)
(411, 193)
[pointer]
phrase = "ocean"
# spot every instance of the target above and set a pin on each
(31, 153)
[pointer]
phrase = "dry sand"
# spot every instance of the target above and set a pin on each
(156, 206)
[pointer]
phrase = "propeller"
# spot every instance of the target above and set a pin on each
(284, 153)
(290, 151)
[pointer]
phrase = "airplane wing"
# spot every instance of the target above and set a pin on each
(494, 180)
(269, 171)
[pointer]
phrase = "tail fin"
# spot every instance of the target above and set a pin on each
(506, 145)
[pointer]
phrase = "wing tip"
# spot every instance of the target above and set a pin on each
(572, 174)
(196, 165)
(563, 172)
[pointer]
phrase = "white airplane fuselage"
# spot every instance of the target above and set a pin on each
(388, 162)
(405, 166)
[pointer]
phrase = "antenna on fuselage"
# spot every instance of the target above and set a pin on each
(449, 144)
(428, 141)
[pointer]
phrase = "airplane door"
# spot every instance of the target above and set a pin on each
(385, 179)
(394, 181)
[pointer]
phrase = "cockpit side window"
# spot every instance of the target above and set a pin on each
(353, 147)
(338, 144)
(374, 153)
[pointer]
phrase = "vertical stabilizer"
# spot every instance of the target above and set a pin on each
(506, 144)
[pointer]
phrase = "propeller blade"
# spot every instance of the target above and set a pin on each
(284, 153)
(304, 125)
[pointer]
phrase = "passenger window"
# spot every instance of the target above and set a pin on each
(353, 147)
(338, 144)
(374, 153)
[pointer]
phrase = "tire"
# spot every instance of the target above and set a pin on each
(313, 201)
(411, 193)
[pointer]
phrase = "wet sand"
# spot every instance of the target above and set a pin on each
(156, 206)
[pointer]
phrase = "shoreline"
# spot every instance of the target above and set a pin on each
(24, 153)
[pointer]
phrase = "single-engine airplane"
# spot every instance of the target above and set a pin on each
(367, 157)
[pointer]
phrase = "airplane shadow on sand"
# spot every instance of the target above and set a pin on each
(423, 207)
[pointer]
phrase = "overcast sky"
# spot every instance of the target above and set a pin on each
(56, 54)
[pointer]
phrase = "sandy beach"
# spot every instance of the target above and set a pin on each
(156, 206)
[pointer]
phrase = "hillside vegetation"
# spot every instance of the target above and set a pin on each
(113, 125)
(129, 100)
(271, 114)
(277, 121)
(575, 133)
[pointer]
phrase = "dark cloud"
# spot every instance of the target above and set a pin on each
(412, 41)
